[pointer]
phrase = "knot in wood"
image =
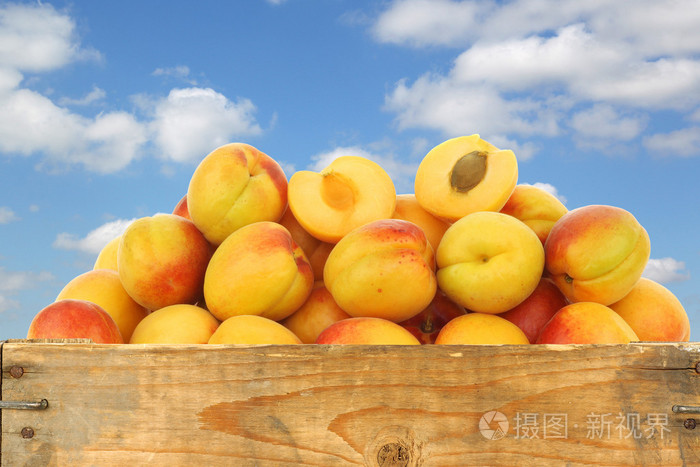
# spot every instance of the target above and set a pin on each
(393, 455)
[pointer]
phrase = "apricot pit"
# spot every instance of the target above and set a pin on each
(464, 175)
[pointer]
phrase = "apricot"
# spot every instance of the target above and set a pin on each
(317, 313)
(233, 186)
(537, 208)
(383, 269)
(107, 258)
(586, 323)
(162, 261)
(252, 329)
(351, 191)
(537, 309)
(464, 175)
(104, 288)
(315, 250)
(596, 253)
(489, 262)
(75, 319)
(366, 331)
(654, 313)
(176, 324)
(480, 329)
(258, 270)
(181, 208)
(408, 209)
(427, 324)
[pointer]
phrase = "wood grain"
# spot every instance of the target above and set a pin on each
(350, 405)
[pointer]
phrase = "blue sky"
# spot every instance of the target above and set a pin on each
(107, 107)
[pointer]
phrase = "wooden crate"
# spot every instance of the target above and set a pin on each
(206, 405)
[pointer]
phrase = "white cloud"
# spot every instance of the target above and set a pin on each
(11, 282)
(7, 304)
(7, 215)
(189, 123)
(654, 27)
(95, 95)
(184, 126)
(665, 270)
(526, 64)
(31, 123)
(9, 79)
(181, 72)
(429, 22)
(95, 240)
(684, 142)
(601, 124)
(549, 188)
(36, 37)
(402, 173)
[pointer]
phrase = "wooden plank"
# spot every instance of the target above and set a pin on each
(351, 405)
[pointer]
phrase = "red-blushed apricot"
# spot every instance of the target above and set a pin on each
(537, 208)
(350, 192)
(596, 253)
(366, 331)
(176, 324)
(464, 175)
(75, 319)
(253, 330)
(233, 186)
(427, 324)
(384, 269)
(480, 329)
(104, 288)
(317, 313)
(654, 313)
(162, 260)
(408, 209)
(258, 270)
(538, 308)
(586, 323)
(181, 208)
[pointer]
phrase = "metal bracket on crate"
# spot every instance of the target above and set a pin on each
(695, 409)
(24, 405)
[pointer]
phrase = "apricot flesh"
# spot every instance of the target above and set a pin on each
(464, 175)
(351, 191)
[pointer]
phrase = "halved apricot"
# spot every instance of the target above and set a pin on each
(464, 175)
(350, 192)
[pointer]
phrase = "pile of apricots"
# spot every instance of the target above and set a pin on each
(249, 256)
